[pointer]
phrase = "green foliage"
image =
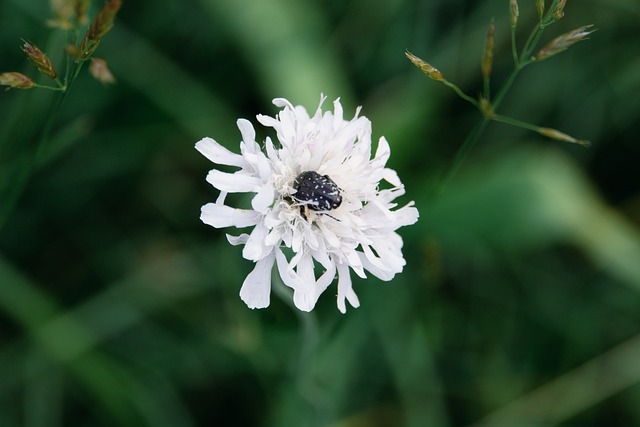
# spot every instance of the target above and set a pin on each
(520, 301)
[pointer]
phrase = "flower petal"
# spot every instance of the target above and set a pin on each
(219, 154)
(385, 275)
(256, 289)
(306, 295)
(238, 182)
(327, 278)
(406, 215)
(288, 276)
(283, 103)
(382, 152)
(392, 177)
(255, 249)
(248, 134)
(345, 289)
(356, 263)
(219, 216)
(373, 258)
(263, 199)
(237, 240)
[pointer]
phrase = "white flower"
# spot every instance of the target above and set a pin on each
(338, 218)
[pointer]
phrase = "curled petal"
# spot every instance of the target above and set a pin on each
(327, 277)
(237, 240)
(246, 130)
(267, 121)
(288, 276)
(406, 215)
(381, 274)
(345, 289)
(283, 103)
(392, 177)
(263, 199)
(373, 259)
(356, 264)
(255, 248)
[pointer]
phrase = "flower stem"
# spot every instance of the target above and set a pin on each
(54, 88)
(520, 62)
(9, 200)
(310, 338)
(506, 86)
(460, 93)
(531, 42)
(486, 87)
(463, 153)
(515, 122)
(514, 49)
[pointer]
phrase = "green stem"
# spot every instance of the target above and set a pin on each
(520, 63)
(310, 338)
(463, 153)
(506, 86)
(54, 88)
(460, 93)
(515, 122)
(486, 83)
(10, 200)
(514, 49)
(531, 42)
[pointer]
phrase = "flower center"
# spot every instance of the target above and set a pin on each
(316, 192)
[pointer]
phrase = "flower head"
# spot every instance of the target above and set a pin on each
(322, 206)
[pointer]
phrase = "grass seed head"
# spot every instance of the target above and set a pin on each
(563, 42)
(515, 12)
(39, 58)
(425, 67)
(487, 57)
(16, 81)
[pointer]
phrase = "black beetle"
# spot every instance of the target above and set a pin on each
(316, 192)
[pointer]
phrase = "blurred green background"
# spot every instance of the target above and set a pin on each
(520, 301)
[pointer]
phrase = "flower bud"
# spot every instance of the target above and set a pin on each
(39, 58)
(16, 80)
(425, 67)
(563, 42)
(72, 51)
(515, 12)
(63, 11)
(558, 13)
(104, 20)
(540, 7)
(80, 8)
(100, 71)
(487, 57)
(99, 27)
(87, 48)
(560, 136)
(486, 107)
